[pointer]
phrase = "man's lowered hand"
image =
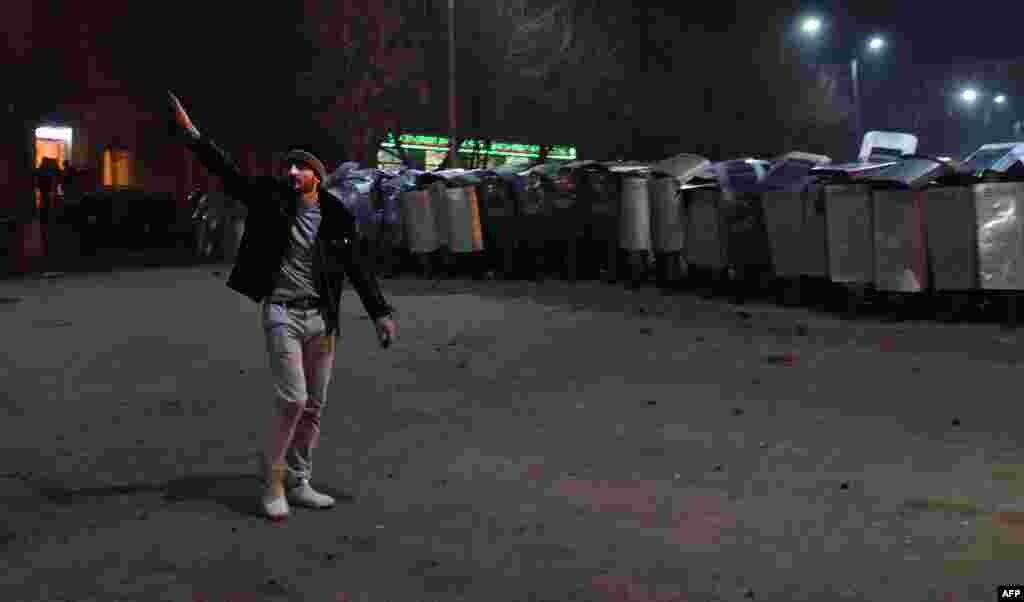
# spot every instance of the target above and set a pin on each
(387, 330)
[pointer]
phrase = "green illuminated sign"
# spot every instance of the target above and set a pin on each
(506, 149)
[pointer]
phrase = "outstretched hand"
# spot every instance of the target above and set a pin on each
(181, 117)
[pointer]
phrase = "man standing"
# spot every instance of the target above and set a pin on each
(299, 244)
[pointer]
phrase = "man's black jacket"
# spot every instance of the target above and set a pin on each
(272, 204)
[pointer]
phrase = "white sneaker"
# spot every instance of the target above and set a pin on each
(275, 504)
(276, 508)
(304, 495)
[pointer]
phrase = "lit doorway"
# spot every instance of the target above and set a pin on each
(53, 149)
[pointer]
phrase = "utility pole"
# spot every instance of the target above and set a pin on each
(857, 117)
(453, 154)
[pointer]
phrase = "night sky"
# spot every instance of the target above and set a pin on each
(939, 32)
(225, 56)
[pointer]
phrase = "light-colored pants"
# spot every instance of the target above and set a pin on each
(301, 361)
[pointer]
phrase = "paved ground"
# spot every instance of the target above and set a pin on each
(521, 442)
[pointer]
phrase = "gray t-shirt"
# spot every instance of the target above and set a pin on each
(295, 279)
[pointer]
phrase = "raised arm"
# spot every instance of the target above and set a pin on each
(213, 158)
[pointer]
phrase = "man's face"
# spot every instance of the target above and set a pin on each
(302, 179)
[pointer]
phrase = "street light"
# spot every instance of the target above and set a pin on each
(971, 97)
(811, 26)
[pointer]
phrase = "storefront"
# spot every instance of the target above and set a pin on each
(430, 151)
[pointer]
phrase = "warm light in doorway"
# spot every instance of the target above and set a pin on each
(54, 133)
(53, 142)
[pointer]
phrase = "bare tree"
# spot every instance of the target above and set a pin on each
(758, 96)
(540, 59)
(541, 69)
(365, 69)
(813, 107)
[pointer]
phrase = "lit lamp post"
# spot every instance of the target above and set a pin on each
(971, 97)
(1001, 101)
(811, 27)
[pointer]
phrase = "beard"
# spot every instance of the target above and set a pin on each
(300, 186)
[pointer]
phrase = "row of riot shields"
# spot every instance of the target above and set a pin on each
(440, 215)
(583, 219)
(915, 227)
(548, 219)
(750, 223)
(890, 222)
